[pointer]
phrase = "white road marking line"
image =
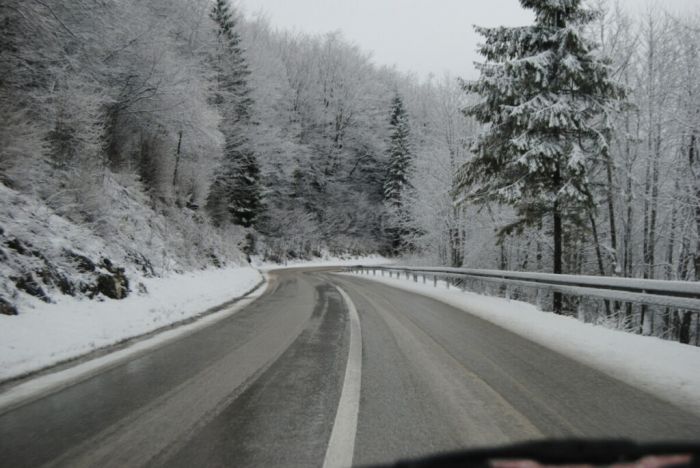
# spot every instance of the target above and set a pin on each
(342, 442)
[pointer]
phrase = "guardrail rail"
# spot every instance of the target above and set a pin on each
(671, 295)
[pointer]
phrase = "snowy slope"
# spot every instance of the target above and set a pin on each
(68, 287)
(664, 368)
(45, 256)
(51, 333)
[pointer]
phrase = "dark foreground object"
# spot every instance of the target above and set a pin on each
(568, 452)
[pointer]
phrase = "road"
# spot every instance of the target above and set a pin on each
(262, 387)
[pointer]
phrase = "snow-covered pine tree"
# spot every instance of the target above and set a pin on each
(232, 70)
(396, 183)
(545, 95)
(246, 199)
(236, 193)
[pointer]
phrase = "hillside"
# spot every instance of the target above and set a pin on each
(45, 255)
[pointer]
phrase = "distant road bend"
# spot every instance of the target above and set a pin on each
(328, 369)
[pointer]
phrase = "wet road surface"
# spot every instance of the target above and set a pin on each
(262, 387)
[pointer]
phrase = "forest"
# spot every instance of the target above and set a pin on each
(184, 134)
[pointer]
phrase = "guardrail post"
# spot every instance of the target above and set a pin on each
(581, 310)
(423, 278)
(435, 281)
(382, 272)
(415, 278)
(374, 272)
(539, 299)
(447, 281)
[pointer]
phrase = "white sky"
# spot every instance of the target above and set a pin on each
(418, 36)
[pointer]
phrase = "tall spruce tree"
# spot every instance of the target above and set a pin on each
(396, 183)
(546, 94)
(235, 194)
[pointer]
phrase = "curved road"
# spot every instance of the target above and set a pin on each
(263, 387)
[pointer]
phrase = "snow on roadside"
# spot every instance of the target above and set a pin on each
(51, 333)
(666, 369)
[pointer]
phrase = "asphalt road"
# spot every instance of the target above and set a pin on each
(263, 387)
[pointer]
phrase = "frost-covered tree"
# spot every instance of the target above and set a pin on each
(545, 96)
(397, 177)
(246, 198)
(233, 91)
(236, 192)
(439, 150)
(397, 181)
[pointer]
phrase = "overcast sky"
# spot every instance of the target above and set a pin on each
(418, 36)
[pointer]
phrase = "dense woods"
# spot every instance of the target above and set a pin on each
(181, 126)
(281, 144)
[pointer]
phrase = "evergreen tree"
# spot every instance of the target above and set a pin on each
(233, 93)
(235, 194)
(246, 205)
(396, 183)
(545, 96)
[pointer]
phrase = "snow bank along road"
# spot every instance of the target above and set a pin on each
(328, 370)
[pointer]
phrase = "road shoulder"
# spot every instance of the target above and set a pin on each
(31, 386)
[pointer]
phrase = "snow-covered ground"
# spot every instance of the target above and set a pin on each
(51, 333)
(664, 368)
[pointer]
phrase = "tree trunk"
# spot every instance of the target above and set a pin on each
(177, 157)
(611, 215)
(684, 334)
(668, 322)
(596, 243)
(557, 266)
(599, 255)
(651, 200)
(693, 159)
(456, 239)
(503, 288)
(648, 240)
(645, 238)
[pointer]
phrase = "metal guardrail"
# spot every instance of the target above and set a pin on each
(674, 294)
